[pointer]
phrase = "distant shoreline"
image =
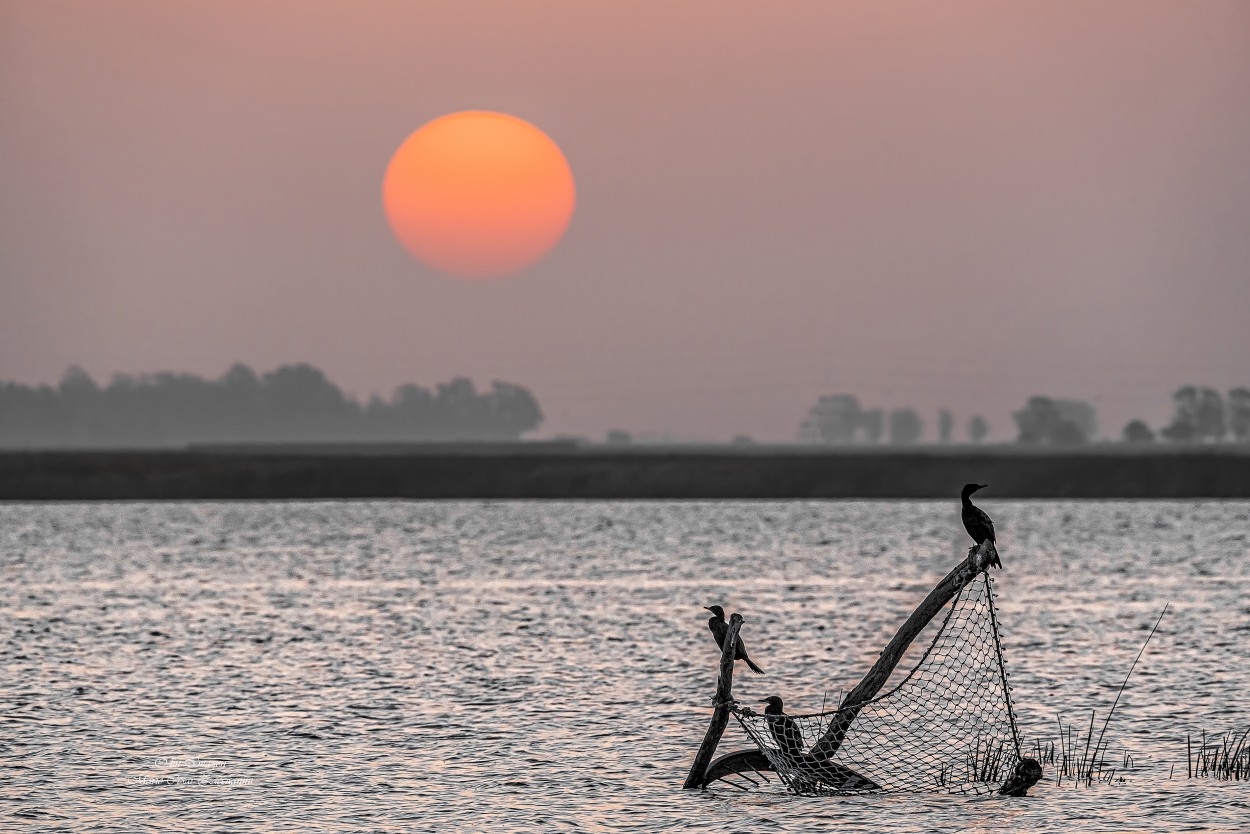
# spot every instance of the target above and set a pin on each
(568, 471)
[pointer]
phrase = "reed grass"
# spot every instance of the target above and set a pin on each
(1081, 759)
(983, 763)
(1222, 756)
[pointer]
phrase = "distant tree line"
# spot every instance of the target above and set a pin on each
(292, 403)
(1200, 415)
(839, 419)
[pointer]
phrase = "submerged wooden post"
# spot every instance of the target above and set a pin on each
(868, 688)
(720, 716)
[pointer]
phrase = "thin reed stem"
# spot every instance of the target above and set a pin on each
(1130, 674)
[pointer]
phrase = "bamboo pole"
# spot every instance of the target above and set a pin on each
(720, 715)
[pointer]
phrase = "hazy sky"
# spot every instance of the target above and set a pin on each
(937, 204)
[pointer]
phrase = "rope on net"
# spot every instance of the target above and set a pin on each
(948, 726)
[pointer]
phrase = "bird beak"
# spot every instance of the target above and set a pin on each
(982, 486)
(707, 608)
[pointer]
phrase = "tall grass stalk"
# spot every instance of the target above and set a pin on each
(1140, 652)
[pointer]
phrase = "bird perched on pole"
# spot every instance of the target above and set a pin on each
(720, 628)
(785, 729)
(978, 524)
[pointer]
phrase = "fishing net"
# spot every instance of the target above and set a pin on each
(948, 726)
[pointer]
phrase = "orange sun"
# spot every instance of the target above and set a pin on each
(478, 194)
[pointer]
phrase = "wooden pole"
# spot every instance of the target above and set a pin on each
(868, 688)
(720, 715)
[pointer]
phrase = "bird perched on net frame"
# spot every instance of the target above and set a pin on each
(785, 730)
(978, 524)
(720, 628)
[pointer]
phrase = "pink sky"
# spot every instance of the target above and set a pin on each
(932, 204)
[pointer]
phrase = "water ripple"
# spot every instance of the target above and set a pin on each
(545, 666)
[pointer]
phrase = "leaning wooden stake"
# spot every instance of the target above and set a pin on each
(720, 716)
(880, 672)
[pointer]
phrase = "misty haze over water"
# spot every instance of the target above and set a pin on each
(298, 403)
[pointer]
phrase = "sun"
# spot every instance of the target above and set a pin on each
(478, 194)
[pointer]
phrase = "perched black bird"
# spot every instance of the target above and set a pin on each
(785, 729)
(977, 523)
(720, 628)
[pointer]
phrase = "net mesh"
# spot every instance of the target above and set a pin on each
(948, 726)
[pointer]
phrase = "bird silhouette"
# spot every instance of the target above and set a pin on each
(785, 730)
(720, 628)
(977, 523)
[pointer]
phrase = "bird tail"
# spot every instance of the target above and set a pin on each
(757, 670)
(991, 555)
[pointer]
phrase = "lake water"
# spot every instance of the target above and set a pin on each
(383, 666)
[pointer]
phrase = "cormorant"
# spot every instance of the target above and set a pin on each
(720, 628)
(785, 729)
(977, 523)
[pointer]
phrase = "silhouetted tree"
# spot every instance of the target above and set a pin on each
(619, 437)
(978, 428)
(515, 408)
(80, 398)
(1042, 421)
(1138, 432)
(242, 402)
(906, 427)
(872, 423)
(946, 426)
(1239, 414)
(300, 403)
(1212, 424)
(1198, 415)
(834, 419)
(1081, 414)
